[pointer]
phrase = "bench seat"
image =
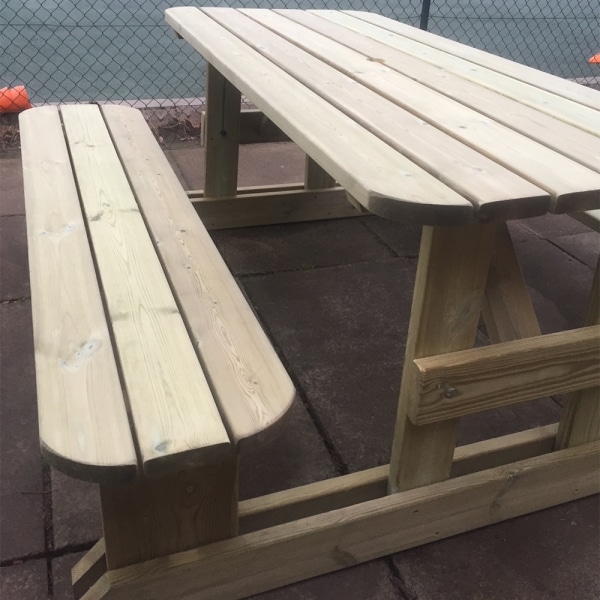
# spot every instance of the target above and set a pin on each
(149, 359)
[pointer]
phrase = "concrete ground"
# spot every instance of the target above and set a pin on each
(335, 298)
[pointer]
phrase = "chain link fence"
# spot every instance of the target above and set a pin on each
(100, 50)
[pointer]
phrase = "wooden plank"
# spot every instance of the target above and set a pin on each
(533, 161)
(449, 288)
(315, 177)
(383, 181)
(581, 146)
(345, 537)
(89, 569)
(507, 312)
(495, 191)
(252, 189)
(267, 208)
(84, 429)
(222, 134)
(175, 417)
(520, 72)
(332, 494)
(249, 383)
(164, 515)
(580, 421)
(470, 381)
(340, 492)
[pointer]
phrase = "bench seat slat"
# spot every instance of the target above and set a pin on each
(249, 382)
(176, 421)
(84, 429)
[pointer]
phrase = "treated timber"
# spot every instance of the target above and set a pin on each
(172, 407)
(447, 301)
(222, 134)
(252, 208)
(507, 311)
(381, 179)
(250, 385)
(164, 515)
(461, 383)
(341, 538)
(84, 429)
(580, 421)
(340, 492)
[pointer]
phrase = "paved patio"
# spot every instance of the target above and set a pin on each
(335, 298)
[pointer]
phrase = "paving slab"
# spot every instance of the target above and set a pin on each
(550, 226)
(296, 456)
(403, 238)
(298, 246)
(25, 581)
(14, 266)
(559, 279)
(12, 201)
(585, 247)
(62, 587)
(342, 330)
(21, 491)
(368, 581)
(259, 164)
(549, 554)
(76, 515)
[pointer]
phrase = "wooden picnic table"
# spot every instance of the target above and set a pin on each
(153, 373)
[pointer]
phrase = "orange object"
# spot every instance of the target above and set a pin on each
(595, 60)
(14, 99)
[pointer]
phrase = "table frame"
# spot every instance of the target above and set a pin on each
(431, 489)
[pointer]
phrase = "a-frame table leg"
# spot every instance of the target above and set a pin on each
(447, 302)
(580, 421)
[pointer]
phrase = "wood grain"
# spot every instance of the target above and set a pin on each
(164, 515)
(345, 537)
(249, 382)
(381, 179)
(176, 421)
(222, 135)
(447, 300)
(469, 381)
(84, 429)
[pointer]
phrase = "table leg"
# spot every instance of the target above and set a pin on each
(316, 177)
(507, 312)
(580, 421)
(222, 135)
(447, 302)
(164, 515)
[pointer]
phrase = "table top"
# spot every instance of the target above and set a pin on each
(409, 123)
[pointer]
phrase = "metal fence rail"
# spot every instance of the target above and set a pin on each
(86, 51)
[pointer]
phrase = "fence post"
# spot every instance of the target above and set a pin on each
(425, 14)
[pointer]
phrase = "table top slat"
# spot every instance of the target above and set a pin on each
(84, 428)
(174, 414)
(494, 189)
(579, 145)
(249, 383)
(540, 79)
(572, 186)
(380, 178)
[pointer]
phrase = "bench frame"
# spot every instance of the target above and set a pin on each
(430, 490)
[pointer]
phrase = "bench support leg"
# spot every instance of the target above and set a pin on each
(164, 515)
(447, 302)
